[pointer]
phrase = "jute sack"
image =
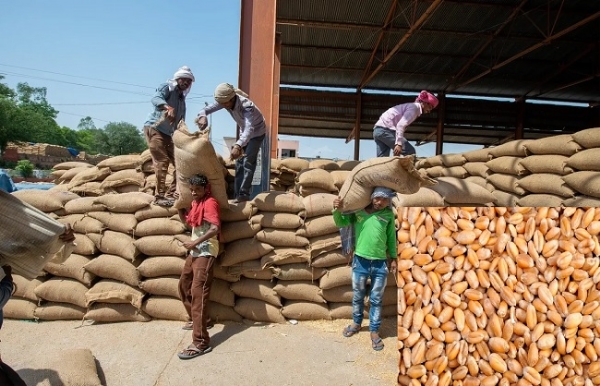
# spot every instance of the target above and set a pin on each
(219, 313)
(257, 289)
(221, 293)
(114, 267)
(339, 177)
(62, 290)
(298, 271)
(341, 311)
(323, 244)
(325, 164)
(84, 245)
(308, 191)
(71, 367)
(220, 272)
(278, 202)
(506, 182)
(258, 311)
(18, 308)
(156, 266)
(93, 174)
(90, 189)
(165, 308)
(110, 291)
(435, 160)
(585, 160)
(454, 190)
(252, 270)
(507, 165)
(111, 313)
(479, 155)
(189, 148)
(154, 211)
(435, 171)
(450, 160)
(557, 144)
(336, 277)
(72, 268)
(277, 220)
(547, 163)
(59, 311)
(330, 259)
(159, 226)
(293, 165)
(83, 205)
(396, 173)
(160, 246)
(124, 177)
(125, 202)
(165, 286)
(516, 148)
(82, 223)
(582, 201)
(587, 183)
(244, 250)
(539, 200)
(318, 204)
(263, 274)
(25, 288)
(588, 138)
(339, 294)
(301, 310)
(455, 171)
(281, 238)
(305, 290)
(39, 199)
(477, 169)
(120, 162)
(505, 199)
(424, 197)
(239, 211)
(120, 244)
(316, 178)
(68, 174)
(318, 226)
(71, 165)
(118, 222)
(546, 183)
(281, 256)
(130, 188)
(236, 230)
(348, 165)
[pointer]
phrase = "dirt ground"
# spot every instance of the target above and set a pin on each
(145, 354)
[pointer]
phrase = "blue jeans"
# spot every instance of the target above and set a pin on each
(245, 167)
(362, 269)
(385, 140)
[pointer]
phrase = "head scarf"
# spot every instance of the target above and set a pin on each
(383, 192)
(225, 92)
(183, 73)
(427, 97)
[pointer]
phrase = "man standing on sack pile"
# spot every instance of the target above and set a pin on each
(389, 129)
(252, 129)
(169, 109)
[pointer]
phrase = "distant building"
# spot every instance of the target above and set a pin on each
(285, 149)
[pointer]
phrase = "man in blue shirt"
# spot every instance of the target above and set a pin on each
(169, 109)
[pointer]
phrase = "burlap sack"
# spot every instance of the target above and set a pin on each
(547, 163)
(82, 223)
(236, 230)
(277, 220)
(336, 277)
(71, 165)
(126, 202)
(304, 290)
(323, 244)
(110, 291)
(506, 182)
(436, 171)
(238, 211)
(477, 169)
(585, 160)
(111, 313)
(281, 238)
(539, 200)
(318, 204)
(258, 311)
(330, 259)
(582, 201)
(68, 174)
(18, 308)
(244, 250)
(316, 178)
(586, 183)
(397, 173)
(505, 199)
(257, 289)
(124, 177)
(588, 138)
(546, 183)
(121, 162)
(84, 245)
(325, 164)
(160, 246)
(62, 290)
(25, 288)
(298, 271)
(220, 272)
(450, 160)
(83, 205)
(156, 266)
(165, 308)
(263, 274)
(39, 199)
(90, 189)
(189, 148)
(339, 294)
(341, 311)
(308, 191)
(117, 222)
(424, 197)
(154, 211)
(159, 226)
(220, 292)
(435, 160)
(120, 244)
(293, 165)
(480, 155)
(454, 190)
(164, 286)
(219, 313)
(507, 165)
(93, 174)
(72, 268)
(301, 310)
(281, 256)
(278, 202)
(114, 267)
(59, 311)
(339, 177)
(318, 226)
(557, 144)
(455, 171)
(516, 148)
(348, 165)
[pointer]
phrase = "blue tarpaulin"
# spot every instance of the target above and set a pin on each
(6, 183)
(74, 152)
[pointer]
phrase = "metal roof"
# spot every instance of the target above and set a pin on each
(531, 49)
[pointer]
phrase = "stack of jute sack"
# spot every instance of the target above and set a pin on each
(559, 170)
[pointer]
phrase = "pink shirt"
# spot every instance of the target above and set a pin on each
(398, 117)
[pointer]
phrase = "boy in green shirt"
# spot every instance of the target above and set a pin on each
(375, 243)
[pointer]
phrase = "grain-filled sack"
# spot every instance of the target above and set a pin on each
(507, 165)
(62, 290)
(588, 138)
(546, 183)
(339, 294)
(118, 222)
(454, 190)
(316, 178)
(325, 164)
(277, 220)
(90, 189)
(67, 175)
(336, 277)
(587, 183)
(18, 308)
(582, 201)
(70, 367)
(244, 250)
(281, 238)
(280, 256)
(121, 162)
(165, 308)
(435, 171)
(477, 180)
(330, 259)
(59, 311)
(435, 160)
(424, 197)
(124, 177)
(477, 169)
(557, 144)
(258, 311)
(57, 174)
(71, 165)
(84, 245)
(305, 290)
(293, 165)
(506, 199)
(238, 211)
(159, 226)
(450, 160)
(547, 163)
(506, 182)
(278, 202)
(83, 205)
(72, 267)
(256, 289)
(125, 202)
(539, 200)
(219, 313)
(110, 291)
(120, 244)
(341, 311)
(302, 310)
(160, 246)
(164, 286)
(307, 191)
(339, 177)
(156, 266)
(323, 244)
(40, 199)
(455, 171)
(298, 271)
(236, 230)
(111, 313)
(25, 288)
(318, 226)
(585, 160)
(396, 173)
(82, 223)
(221, 293)
(93, 174)
(114, 267)
(318, 204)
(347, 164)
(220, 272)
(154, 211)
(189, 148)
(480, 155)
(516, 148)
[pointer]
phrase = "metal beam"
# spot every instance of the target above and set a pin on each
(415, 27)
(544, 42)
(357, 125)
(571, 84)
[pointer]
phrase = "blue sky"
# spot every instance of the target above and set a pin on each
(104, 59)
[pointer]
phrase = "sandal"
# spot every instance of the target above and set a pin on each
(193, 352)
(350, 330)
(190, 326)
(377, 344)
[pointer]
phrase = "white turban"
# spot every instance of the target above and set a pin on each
(225, 92)
(184, 72)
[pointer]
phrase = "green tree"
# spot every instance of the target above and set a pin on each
(25, 168)
(34, 99)
(86, 123)
(123, 138)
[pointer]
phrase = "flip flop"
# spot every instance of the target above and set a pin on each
(190, 326)
(349, 331)
(377, 344)
(196, 352)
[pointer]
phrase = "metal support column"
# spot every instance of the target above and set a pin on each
(520, 118)
(357, 125)
(439, 142)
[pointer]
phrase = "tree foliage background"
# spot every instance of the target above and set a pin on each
(26, 116)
